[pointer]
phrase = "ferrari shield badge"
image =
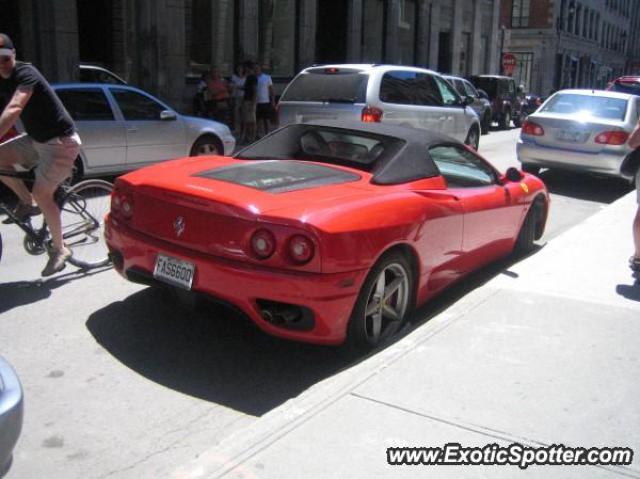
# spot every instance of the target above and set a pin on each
(524, 187)
(178, 226)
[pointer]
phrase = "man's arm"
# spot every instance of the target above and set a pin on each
(14, 108)
(634, 138)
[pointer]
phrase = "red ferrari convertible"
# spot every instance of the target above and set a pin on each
(323, 232)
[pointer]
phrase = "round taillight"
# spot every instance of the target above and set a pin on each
(301, 249)
(115, 201)
(127, 207)
(263, 243)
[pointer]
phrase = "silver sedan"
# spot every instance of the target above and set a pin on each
(583, 130)
(124, 128)
(11, 410)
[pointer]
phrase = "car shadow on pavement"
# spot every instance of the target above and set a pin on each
(211, 352)
(20, 293)
(216, 354)
(582, 186)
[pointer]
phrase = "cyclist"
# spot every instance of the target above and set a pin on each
(51, 144)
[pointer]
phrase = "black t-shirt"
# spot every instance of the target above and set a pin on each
(44, 117)
(250, 87)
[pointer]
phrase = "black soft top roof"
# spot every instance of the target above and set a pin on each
(410, 162)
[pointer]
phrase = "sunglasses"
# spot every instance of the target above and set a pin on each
(5, 59)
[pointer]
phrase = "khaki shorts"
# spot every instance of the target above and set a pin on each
(53, 160)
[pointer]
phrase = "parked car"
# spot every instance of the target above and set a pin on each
(123, 128)
(96, 74)
(11, 413)
(480, 103)
(625, 84)
(393, 95)
(583, 130)
(505, 98)
(325, 231)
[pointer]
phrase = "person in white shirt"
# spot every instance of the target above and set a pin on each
(265, 108)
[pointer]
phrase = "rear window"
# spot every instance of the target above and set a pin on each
(276, 176)
(587, 106)
(632, 87)
(328, 85)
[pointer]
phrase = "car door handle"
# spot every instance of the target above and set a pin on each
(132, 129)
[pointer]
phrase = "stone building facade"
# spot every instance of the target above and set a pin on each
(567, 43)
(163, 46)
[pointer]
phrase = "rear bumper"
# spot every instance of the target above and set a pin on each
(329, 297)
(11, 412)
(605, 162)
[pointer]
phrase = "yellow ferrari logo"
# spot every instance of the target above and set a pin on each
(524, 187)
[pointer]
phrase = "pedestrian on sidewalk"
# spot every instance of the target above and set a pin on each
(265, 102)
(634, 261)
(50, 144)
(237, 95)
(249, 105)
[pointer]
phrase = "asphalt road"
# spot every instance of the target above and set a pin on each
(121, 381)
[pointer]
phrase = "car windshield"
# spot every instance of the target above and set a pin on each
(587, 106)
(323, 144)
(328, 85)
(489, 85)
(632, 87)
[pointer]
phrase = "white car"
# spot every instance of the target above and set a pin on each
(11, 413)
(124, 128)
(582, 130)
(390, 94)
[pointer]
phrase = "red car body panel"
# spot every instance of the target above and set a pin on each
(449, 232)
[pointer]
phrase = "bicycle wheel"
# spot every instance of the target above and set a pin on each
(83, 209)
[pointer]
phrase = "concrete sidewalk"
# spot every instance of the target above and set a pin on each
(547, 353)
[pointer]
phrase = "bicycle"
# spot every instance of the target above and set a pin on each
(83, 207)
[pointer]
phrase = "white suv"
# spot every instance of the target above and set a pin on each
(396, 95)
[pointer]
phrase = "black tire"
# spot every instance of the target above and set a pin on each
(83, 210)
(529, 229)
(486, 122)
(505, 120)
(517, 122)
(473, 138)
(533, 169)
(207, 145)
(366, 331)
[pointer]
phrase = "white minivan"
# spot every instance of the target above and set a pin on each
(397, 95)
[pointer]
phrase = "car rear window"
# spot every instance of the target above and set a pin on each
(587, 105)
(632, 87)
(328, 85)
(277, 176)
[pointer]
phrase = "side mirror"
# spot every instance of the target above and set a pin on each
(513, 174)
(483, 94)
(467, 100)
(168, 115)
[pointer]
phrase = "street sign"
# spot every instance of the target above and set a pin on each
(509, 62)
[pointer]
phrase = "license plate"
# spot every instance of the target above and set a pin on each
(174, 271)
(569, 135)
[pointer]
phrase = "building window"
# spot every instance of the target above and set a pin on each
(520, 13)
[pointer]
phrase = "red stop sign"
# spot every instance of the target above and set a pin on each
(509, 62)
